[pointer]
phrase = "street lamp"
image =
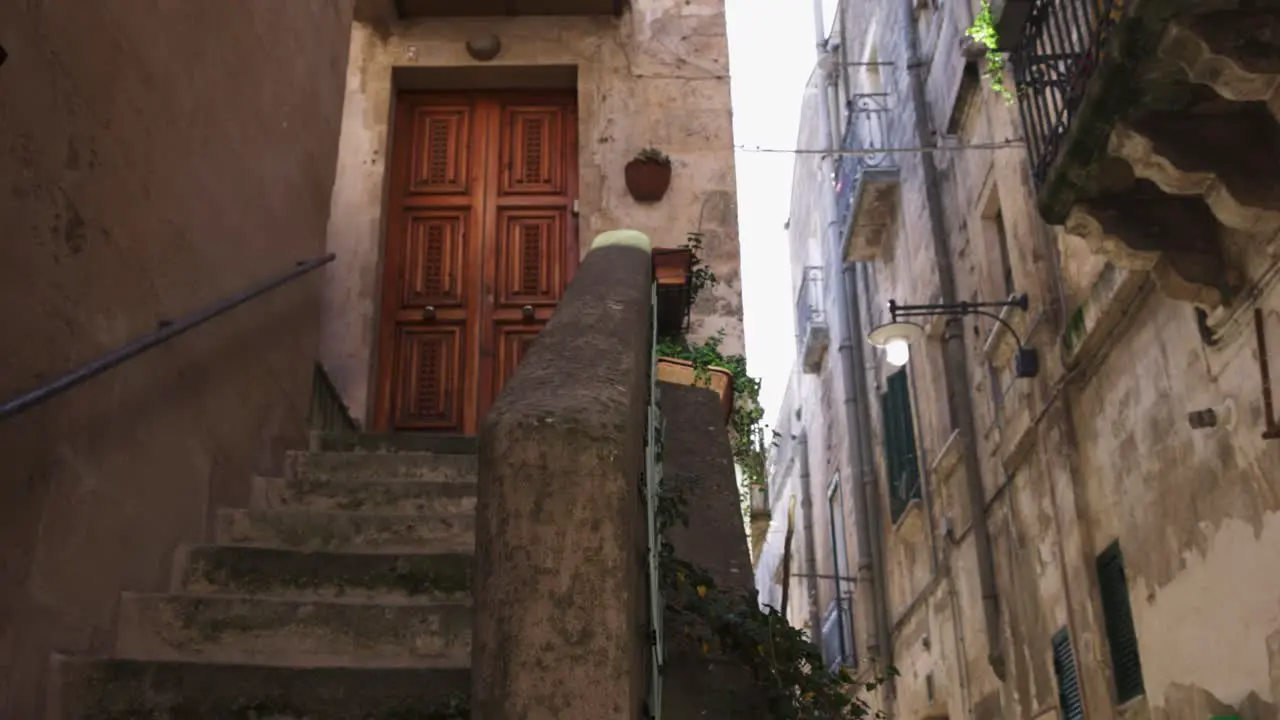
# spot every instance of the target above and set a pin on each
(896, 336)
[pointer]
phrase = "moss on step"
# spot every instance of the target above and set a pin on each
(329, 530)
(395, 442)
(267, 570)
(372, 494)
(374, 466)
(205, 620)
(137, 690)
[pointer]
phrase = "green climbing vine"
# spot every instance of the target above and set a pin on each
(701, 276)
(790, 680)
(983, 31)
(746, 421)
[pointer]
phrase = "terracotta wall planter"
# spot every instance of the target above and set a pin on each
(681, 372)
(647, 180)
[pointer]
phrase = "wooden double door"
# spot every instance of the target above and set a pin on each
(481, 242)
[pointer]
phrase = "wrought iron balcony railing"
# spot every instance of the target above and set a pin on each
(812, 332)
(866, 177)
(866, 126)
(1060, 49)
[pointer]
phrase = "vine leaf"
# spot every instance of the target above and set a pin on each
(983, 31)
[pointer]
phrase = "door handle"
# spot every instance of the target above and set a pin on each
(429, 312)
(527, 312)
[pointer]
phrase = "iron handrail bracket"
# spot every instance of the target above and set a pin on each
(167, 331)
(1272, 430)
(652, 481)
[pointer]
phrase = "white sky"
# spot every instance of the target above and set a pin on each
(771, 53)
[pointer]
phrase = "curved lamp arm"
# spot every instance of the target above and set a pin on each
(1027, 361)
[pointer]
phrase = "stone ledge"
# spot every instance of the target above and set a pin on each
(1112, 294)
(559, 596)
(698, 464)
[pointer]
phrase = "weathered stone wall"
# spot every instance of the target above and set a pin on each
(658, 76)
(1073, 459)
(561, 607)
(157, 158)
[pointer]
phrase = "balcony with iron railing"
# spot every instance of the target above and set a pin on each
(1060, 46)
(1151, 129)
(866, 177)
(813, 333)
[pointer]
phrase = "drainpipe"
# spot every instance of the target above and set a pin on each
(843, 279)
(810, 546)
(955, 360)
(868, 515)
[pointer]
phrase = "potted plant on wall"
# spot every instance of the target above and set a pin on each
(685, 362)
(648, 175)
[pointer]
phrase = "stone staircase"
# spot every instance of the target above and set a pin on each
(343, 591)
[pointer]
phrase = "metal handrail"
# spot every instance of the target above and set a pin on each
(167, 331)
(655, 427)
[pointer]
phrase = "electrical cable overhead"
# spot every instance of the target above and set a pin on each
(999, 145)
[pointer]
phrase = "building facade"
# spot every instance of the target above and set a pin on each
(562, 105)
(455, 158)
(1061, 539)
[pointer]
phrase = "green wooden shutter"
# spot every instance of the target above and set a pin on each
(900, 444)
(1126, 665)
(1070, 702)
(891, 452)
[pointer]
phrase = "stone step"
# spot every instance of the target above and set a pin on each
(304, 529)
(394, 442)
(380, 466)
(391, 496)
(131, 690)
(271, 572)
(302, 633)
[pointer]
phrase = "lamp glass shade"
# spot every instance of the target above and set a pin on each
(896, 338)
(897, 352)
(885, 334)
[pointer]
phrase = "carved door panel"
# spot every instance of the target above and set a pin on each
(480, 245)
(532, 216)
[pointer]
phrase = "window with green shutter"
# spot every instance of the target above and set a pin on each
(899, 444)
(1126, 665)
(1070, 703)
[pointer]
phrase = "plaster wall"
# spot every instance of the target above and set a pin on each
(658, 76)
(1196, 512)
(155, 158)
(1069, 462)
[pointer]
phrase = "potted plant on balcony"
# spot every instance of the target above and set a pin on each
(703, 364)
(648, 175)
(695, 364)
